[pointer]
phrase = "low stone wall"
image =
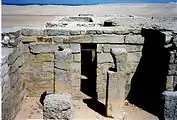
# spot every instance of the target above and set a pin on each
(13, 86)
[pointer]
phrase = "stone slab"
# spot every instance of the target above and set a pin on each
(58, 107)
(134, 39)
(43, 48)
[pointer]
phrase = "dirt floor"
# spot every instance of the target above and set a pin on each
(31, 109)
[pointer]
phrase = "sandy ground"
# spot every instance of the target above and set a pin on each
(31, 109)
(20, 16)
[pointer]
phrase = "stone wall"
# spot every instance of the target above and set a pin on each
(13, 86)
(39, 41)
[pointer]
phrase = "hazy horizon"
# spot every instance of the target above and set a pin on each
(78, 2)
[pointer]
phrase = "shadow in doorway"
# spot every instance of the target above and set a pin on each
(89, 77)
(149, 79)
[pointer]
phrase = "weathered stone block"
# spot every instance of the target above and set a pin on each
(17, 52)
(16, 65)
(44, 57)
(56, 32)
(74, 32)
(48, 66)
(4, 70)
(76, 57)
(170, 111)
(99, 48)
(134, 57)
(120, 56)
(14, 78)
(172, 57)
(79, 39)
(108, 39)
(26, 39)
(172, 69)
(5, 86)
(63, 59)
(32, 32)
(59, 39)
(169, 83)
(129, 48)
(45, 39)
(43, 48)
(75, 48)
(63, 76)
(91, 32)
(134, 39)
(104, 58)
(107, 32)
(25, 48)
(58, 106)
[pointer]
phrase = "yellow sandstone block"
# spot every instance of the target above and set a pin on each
(44, 58)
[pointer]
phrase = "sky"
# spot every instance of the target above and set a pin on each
(81, 1)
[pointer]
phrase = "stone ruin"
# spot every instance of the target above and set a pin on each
(131, 58)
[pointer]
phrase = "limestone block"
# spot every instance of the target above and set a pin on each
(79, 39)
(172, 69)
(91, 32)
(75, 48)
(104, 58)
(14, 78)
(56, 32)
(76, 57)
(129, 48)
(5, 86)
(25, 48)
(99, 48)
(58, 107)
(134, 39)
(4, 70)
(74, 32)
(16, 65)
(108, 39)
(38, 82)
(45, 39)
(17, 52)
(169, 83)
(63, 59)
(121, 32)
(26, 39)
(32, 32)
(107, 32)
(63, 76)
(42, 76)
(170, 111)
(44, 57)
(120, 58)
(48, 66)
(76, 74)
(134, 57)
(43, 48)
(172, 57)
(59, 39)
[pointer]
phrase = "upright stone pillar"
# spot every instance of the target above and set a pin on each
(170, 105)
(115, 88)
